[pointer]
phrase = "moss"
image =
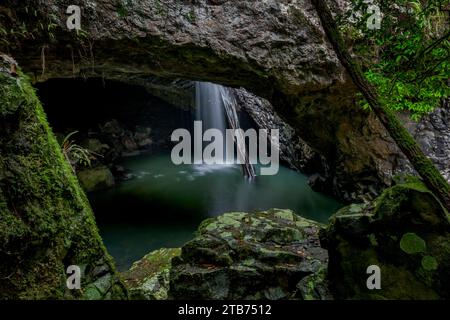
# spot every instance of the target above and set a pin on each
(373, 240)
(148, 278)
(285, 214)
(429, 263)
(229, 220)
(309, 287)
(8, 95)
(399, 283)
(411, 243)
(411, 198)
(46, 222)
(203, 225)
(92, 293)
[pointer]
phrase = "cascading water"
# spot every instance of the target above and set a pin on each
(216, 105)
(208, 103)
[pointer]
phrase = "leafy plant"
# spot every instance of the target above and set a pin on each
(75, 154)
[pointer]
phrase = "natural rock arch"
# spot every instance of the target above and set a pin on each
(275, 49)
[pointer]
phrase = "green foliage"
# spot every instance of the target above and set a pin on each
(408, 58)
(39, 25)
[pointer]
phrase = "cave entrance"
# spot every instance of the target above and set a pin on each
(117, 138)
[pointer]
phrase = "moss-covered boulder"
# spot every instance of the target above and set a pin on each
(97, 178)
(405, 232)
(148, 278)
(273, 254)
(46, 223)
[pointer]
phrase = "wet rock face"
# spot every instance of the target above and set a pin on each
(293, 150)
(226, 41)
(266, 255)
(405, 232)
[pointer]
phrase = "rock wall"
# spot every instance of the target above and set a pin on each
(46, 223)
(293, 150)
(432, 132)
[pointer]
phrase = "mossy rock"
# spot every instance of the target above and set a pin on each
(259, 255)
(46, 222)
(95, 179)
(405, 232)
(148, 278)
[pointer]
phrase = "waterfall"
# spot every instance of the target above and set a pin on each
(216, 106)
(209, 106)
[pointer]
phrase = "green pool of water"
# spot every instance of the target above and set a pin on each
(164, 204)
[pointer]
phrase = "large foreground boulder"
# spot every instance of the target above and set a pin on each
(273, 254)
(46, 223)
(264, 255)
(405, 232)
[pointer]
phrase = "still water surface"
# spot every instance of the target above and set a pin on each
(165, 203)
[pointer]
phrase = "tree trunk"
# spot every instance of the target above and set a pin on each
(421, 163)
